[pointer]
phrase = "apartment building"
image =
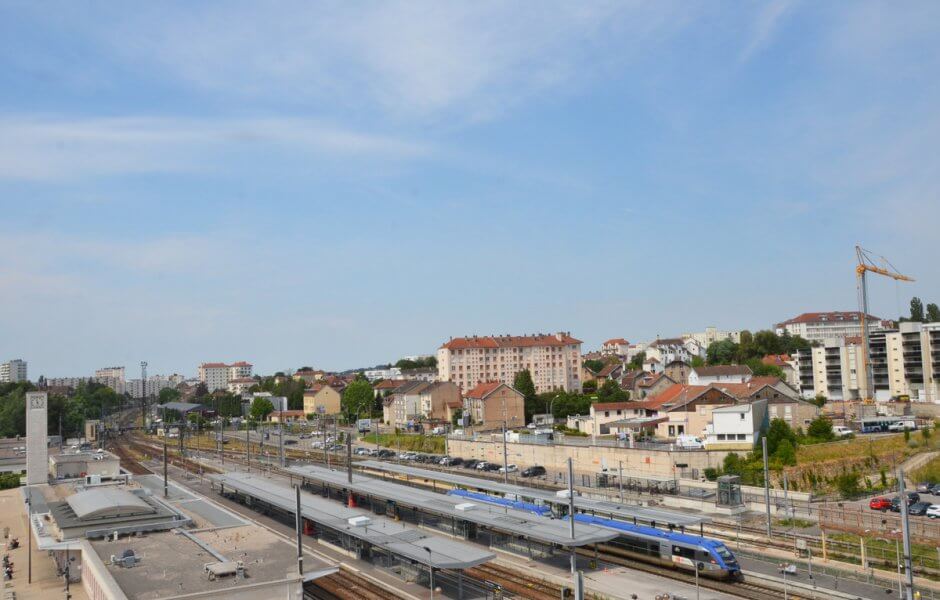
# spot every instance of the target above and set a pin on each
(136, 389)
(322, 399)
(720, 374)
(554, 360)
(113, 377)
(666, 350)
(833, 370)
(712, 335)
(822, 326)
(217, 375)
(13, 371)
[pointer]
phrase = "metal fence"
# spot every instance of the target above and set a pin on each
(874, 522)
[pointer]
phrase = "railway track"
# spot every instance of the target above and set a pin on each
(346, 586)
(518, 584)
(742, 589)
(531, 588)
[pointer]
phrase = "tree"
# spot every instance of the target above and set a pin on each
(778, 431)
(169, 395)
(589, 386)
(848, 484)
(358, 399)
(261, 407)
(786, 453)
(933, 313)
(637, 363)
(917, 310)
(455, 417)
(820, 429)
(611, 392)
(697, 361)
(594, 365)
(721, 353)
(761, 370)
(523, 382)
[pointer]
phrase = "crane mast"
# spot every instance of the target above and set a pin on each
(865, 265)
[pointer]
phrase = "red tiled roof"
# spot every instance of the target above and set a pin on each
(776, 360)
(241, 363)
(827, 317)
(669, 342)
(613, 405)
(215, 365)
(608, 369)
(510, 341)
(616, 342)
(389, 384)
(745, 390)
(482, 390)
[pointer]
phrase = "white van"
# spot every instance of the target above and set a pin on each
(902, 425)
(841, 430)
(689, 441)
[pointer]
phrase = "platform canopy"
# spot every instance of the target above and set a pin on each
(183, 407)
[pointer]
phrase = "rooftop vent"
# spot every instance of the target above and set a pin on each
(466, 506)
(361, 521)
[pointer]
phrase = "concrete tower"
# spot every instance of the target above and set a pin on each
(37, 439)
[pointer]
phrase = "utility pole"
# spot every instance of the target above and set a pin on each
(505, 454)
(906, 531)
(576, 580)
(166, 430)
(143, 394)
(280, 443)
(620, 478)
(767, 486)
(248, 444)
(349, 460)
(298, 519)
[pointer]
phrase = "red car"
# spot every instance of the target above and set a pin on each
(881, 504)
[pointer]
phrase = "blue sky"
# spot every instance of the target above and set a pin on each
(340, 184)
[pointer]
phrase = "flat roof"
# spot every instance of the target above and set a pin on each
(399, 539)
(172, 565)
(620, 511)
(516, 522)
(107, 502)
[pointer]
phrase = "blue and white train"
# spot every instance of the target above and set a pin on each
(542, 511)
(669, 548)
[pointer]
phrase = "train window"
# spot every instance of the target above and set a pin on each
(683, 552)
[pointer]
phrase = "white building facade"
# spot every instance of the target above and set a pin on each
(554, 360)
(13, 371)
(216, 376)
(822, 326)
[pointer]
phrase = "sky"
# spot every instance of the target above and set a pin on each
(337, 184)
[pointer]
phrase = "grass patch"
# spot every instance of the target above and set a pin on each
(929, 472)
(431, 444)
(861, 447)
(798, 523)
(879, 549)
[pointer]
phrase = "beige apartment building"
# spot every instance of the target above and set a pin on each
(554, 360)
(823, 326)
(217, 375)
(905, 364)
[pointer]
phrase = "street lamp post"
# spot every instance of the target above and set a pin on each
(431, 570)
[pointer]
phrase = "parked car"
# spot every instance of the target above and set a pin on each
(290, 442)
(918, 509)
(934, 511)
(535, 471)
(912, 498)
(451, 461)
(924, 487)
(935, 489)
(508, 469)
(385, 453)
(470, 464)
(481, 465)
(689, 442)
(841, 431)
(880, 503)
(492, 467)
(902, 425)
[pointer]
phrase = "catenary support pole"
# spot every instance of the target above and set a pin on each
(349, 460)
(505, 456)
(298, 521)
(166, 429)
(767, 487)
(620, 478)
(574, 564)
(906, 531)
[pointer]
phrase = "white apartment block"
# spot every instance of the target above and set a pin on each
(113, 377)
(905, 363)
(554, 360)
(135, 388)
(712, 335)
(615, 347)
(667, 350)
(217, 375)
(379, 374)
(13, 371)
(822, 326)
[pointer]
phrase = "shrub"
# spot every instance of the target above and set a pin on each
(711, 473)
(9, 480)
(848, 485)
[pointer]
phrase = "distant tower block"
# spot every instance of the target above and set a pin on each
(37, 438)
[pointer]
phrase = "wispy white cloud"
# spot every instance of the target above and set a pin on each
(53, 148)
(766, 23)
(462, 60)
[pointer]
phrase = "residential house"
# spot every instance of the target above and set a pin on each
(720, 374)
(736, 427)
(667, 350)
(615, 347)
(310, 376)
(651, 364)
(420, 374)
(240, 385)
(322, 399)
(490, 404)
(783, 401)
(651, 384)
(688, 409)
(785, 363)
(611, 371)
(387, 386)
(404, 405)
(287, 416)
(678, 371)
(435, 398)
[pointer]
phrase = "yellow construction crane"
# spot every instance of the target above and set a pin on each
(866, 264)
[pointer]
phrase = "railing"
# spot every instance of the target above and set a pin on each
(584, 442)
